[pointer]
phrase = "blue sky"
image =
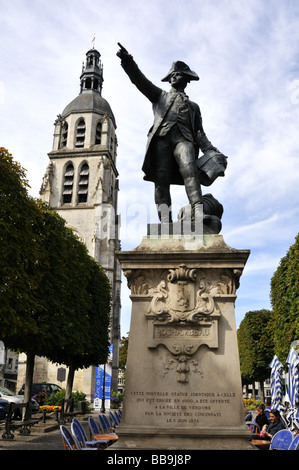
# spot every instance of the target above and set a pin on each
(246, 53)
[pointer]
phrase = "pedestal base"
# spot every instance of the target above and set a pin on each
(183, 386)
(177, 439)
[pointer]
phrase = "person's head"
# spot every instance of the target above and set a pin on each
(178, 80)
(260, 409)
(180, 71)
(274, 416)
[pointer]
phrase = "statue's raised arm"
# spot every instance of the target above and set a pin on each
(136, 76)
(123, 53)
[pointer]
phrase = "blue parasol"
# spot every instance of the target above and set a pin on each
(276, 384)
(293, 378)
(293, 385)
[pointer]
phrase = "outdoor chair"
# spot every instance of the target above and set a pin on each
(68, 440)
(93, 427)
(78, 438)
(295, 443)
(105, 424)
(97, 433)
(281, 440)
(254, 427)
(80, 434)
(114, 417)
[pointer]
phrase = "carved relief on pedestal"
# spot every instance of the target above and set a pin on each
(183, 310)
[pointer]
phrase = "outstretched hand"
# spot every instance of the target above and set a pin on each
(123, 54)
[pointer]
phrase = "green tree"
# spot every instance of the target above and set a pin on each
(246, 365)
(285, 301)
(123, 352)
(63, 304)
(19, 272)
(256, 346)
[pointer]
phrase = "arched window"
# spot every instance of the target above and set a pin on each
(88, 83)
(83, 183)
(90, 61)
(95, 83)
(67, 192)
(80, 133)
(98, 133)
(64, 135)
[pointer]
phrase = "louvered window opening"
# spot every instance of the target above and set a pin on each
(83, 183)
(80, 135)
(99, 133)
(67, 192)
(64, 135)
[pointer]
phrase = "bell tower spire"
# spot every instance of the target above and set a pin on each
(81, 184)
(92, 73)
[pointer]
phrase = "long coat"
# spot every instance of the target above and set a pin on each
(161, 102)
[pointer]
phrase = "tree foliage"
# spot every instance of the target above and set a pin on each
(55, 298)
(19, 270)
(255, 346)
(123, 352)
(285, 301)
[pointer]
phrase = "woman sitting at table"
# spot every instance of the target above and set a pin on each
(275, 425)
(261, 419)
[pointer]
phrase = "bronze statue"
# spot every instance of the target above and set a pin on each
(175, 139)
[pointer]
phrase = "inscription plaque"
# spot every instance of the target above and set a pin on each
(184, 408)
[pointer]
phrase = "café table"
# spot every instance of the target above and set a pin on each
(261, 444)
(106, 437)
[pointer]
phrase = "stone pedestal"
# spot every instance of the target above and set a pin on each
(183, 386)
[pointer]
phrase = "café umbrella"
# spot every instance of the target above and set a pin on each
(276, 384)
(293, 386)
(293, 378)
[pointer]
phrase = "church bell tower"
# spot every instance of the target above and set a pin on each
(81, 184)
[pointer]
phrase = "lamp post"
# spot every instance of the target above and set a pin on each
(103, 392)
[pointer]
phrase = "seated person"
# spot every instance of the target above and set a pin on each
(261, 419)
(275, 425)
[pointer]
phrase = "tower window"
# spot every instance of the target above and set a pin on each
(67, 192)
(88, 83)
(64, 135)
(90, 61)
(80, 133)
(98, 133)
(83, 183)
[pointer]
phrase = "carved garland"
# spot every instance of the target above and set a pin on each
(182, 316)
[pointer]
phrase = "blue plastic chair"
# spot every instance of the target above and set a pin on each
(105, 424)
(114, 417)
(81, 444)
(80, 434)
(253, 426)
(281, 440)
(77, 438)
(93, 427)
(94, 430)
(295, 443)
(117, 415)
(68, 440)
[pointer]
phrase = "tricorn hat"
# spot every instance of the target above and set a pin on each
(180, 66)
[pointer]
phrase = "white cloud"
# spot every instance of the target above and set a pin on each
(246, 54)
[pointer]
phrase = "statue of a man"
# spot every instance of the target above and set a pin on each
(175, 137)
